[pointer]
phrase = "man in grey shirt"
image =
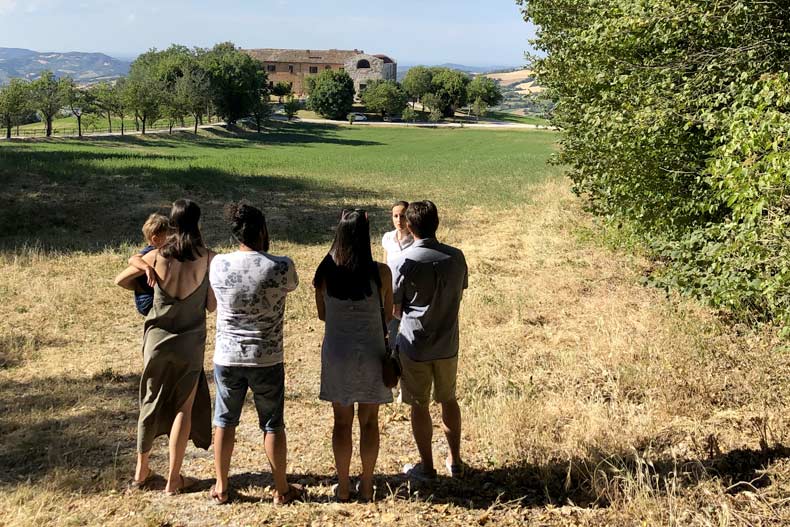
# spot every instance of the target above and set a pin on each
(429, 281)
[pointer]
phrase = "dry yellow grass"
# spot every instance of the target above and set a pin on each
(511, 77)
(529, 88)
(588, 399)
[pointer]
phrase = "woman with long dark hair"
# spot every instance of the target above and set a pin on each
(174, 396)
(351, 292)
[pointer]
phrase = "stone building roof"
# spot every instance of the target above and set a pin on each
(316, 56)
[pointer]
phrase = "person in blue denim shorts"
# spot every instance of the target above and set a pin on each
(250, 286)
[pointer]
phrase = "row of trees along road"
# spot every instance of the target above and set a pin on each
(443, 91)
(676, 128)
(440, 90)
(169, 84)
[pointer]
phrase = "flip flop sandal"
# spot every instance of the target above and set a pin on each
(358, 492)
(219, 498)
(186, 484)
(136, 484)
(295, 492)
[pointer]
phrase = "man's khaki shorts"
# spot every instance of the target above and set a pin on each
(417, 378)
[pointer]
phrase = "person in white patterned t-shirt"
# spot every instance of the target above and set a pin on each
(250, 286)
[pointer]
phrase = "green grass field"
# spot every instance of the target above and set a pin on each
(309, 166)
(587, 398)
(510, 117)
(91, 123)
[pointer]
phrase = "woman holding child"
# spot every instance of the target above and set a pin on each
(174, 396)
(353, 294)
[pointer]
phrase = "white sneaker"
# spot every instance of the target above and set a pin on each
(418, 473)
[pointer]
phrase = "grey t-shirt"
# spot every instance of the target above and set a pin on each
(250, 288)
(429, 281)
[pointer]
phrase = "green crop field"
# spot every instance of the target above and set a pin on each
(310, 166)
(587, 398)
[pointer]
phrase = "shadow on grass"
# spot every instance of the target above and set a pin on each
(551, 484)
(66, 423)
(86, 424)
(93, 196)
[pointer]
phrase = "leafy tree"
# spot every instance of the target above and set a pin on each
(450, 86)
(80, 102)
(119, 101)
(484, 89)
(49, 95)
(384, 97)
(674, 116)
(332, 94)
(282, 89)
(236, 81)
(193, 90)
(432, 103)
(261, 109)
(479, 108)
(14, 104)
(105, 99)
(291, 107)
(417, 83)
(409, 115)
(144, 91)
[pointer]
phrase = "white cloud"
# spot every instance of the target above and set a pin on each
(6, 6)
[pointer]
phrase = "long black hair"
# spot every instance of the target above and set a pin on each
(248, 225)
(185, 242)
(349, 267)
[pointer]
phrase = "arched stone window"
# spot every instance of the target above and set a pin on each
(363, 64)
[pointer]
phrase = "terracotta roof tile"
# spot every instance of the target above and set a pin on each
(315, 56)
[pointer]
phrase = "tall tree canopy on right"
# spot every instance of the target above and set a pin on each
(675, 118)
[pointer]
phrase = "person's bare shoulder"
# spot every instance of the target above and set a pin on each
(384, 271)
(150, 256)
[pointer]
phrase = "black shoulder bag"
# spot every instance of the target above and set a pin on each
(390, 365)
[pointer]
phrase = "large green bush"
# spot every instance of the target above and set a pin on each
(331, 94)
(675, 118)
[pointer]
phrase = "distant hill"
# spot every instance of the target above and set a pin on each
(403, 68)
(84, 68)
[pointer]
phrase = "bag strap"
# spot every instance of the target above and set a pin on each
(383, 319)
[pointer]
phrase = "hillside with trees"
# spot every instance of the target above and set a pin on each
(84, 68)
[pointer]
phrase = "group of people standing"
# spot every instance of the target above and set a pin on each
(406, 309)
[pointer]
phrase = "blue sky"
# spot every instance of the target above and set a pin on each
(472, 32)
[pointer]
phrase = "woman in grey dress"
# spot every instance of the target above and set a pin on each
(351, 291)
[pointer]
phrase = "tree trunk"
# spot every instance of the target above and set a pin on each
(122, 125)
(171, 128)
(143, 121)
(137, 122)
(258, 122)
(49, 125)
(109, 123)
(8, 127)
(79, 126)
(196, 124)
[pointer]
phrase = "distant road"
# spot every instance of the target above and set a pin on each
(490, 125)
(486, 124)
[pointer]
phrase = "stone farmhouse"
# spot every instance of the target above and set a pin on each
(294, 65)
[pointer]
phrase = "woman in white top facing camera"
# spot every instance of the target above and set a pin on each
(395, 242)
